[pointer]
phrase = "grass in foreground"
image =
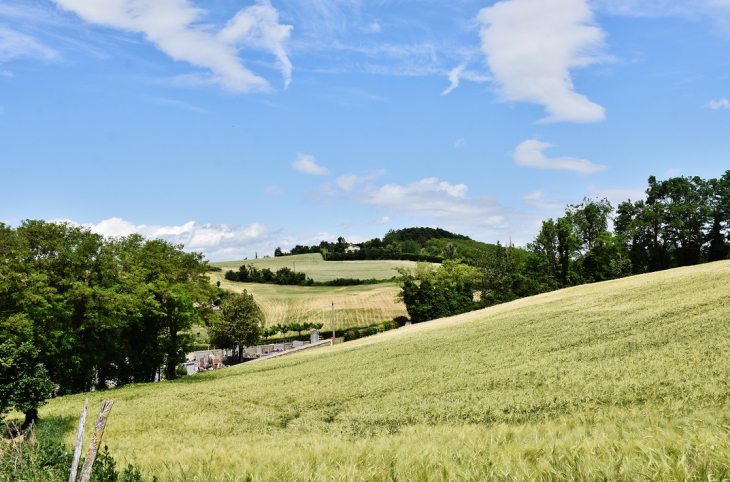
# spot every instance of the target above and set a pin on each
(624, 380)
(320, 270)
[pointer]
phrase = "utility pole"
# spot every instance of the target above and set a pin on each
(333, 322)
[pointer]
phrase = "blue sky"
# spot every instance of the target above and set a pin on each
(234, 127)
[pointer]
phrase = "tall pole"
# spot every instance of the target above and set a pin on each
(333, 322)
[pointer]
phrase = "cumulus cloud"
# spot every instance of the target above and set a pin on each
(719, 104)
(14, 45)
(216, 241)
(305, 163)
(531, 46)
(437, 199)
(383, 220)
(174, 27)
(529, 154)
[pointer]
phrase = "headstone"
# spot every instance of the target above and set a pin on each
(314, 336)
(297, 344)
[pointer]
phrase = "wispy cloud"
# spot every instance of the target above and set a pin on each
(347, 182)
(181, 104)
(6, 73)
(174, 27)
(274, 191)
(460, 72)
(719, 104)
(531, 46)
(306, 163)
(460, 143)
(14, 45)
(372, 27)
(529, 154)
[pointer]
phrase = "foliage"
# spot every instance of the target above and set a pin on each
(24, 382)
(240, 322)
(431, 293)
(99, 309)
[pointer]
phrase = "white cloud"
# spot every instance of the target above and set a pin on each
(672, 172)
(274, 191)
(347, 182)
(719, 104)
(537, 200)
(529, 154)
(454, 77)
(437, 199)
(6, 73)
(460, 143)
(460, 72)
(383, 220)
(216, 241)
(181, 104)
(173, 27)
(15, 45)
(305, 163)
(531, 46)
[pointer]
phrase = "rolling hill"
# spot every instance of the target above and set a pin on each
(621, 380)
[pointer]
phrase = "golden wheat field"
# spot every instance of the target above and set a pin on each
(623, 380)
(354, 305)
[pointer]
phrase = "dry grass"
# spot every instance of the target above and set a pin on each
(624, 380)
(354, 305)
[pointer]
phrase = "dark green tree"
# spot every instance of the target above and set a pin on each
(24, 381)
(240, 323)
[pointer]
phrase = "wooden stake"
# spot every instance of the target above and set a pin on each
(106, 407)
(79, 443)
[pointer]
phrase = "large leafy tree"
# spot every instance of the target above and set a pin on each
(239, 324)
(98, 309)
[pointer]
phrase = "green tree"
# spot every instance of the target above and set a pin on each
(240, 322)
(24, 381)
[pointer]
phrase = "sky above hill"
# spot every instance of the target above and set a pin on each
(234, 127)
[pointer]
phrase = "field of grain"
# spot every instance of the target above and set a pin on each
(320, 270)
(354, 305)
(623, 380)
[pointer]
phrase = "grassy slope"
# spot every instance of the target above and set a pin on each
(320, 270)
(621, 380)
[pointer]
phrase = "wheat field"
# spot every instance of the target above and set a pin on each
(320, 270)
(622, 380)
(354, 305)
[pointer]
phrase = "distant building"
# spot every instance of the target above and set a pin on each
(352, 248)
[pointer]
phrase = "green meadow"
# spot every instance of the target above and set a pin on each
(320, 270)
(622, 380)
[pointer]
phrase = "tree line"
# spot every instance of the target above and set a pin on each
(683, 221)
(92, 310)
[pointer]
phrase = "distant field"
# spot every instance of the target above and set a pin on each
(623, 380)
(354, 305)
(320, 270)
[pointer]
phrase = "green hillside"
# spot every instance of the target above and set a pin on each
(320, 270)
(622, 380)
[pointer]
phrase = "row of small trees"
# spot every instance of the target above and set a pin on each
(282, 276)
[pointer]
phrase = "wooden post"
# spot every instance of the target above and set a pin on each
(106, 407)
(79, 443)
